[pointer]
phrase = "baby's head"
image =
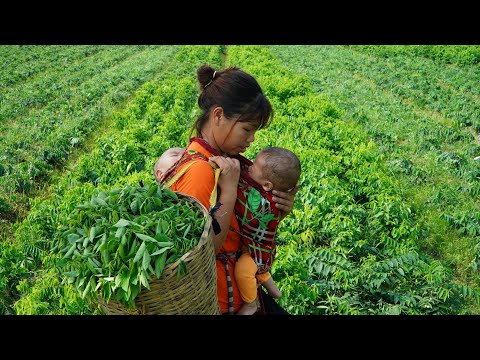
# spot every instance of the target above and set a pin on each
(166, 160)
(276, 168)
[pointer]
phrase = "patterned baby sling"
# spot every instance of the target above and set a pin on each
(258, 218)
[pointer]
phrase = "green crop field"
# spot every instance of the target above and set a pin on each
(387, 219)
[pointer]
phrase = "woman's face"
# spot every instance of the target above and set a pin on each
(234, 137)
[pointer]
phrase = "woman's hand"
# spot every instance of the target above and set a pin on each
(284, 201)
(229, 173)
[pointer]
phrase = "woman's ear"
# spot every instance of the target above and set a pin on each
(217, 115)
(267, 185)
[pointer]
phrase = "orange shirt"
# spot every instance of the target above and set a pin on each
(198, 181)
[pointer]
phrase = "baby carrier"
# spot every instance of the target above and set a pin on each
(258, 218)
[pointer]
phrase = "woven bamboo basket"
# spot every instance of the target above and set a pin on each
(194, 293)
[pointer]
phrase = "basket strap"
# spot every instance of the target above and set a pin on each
(213, 196)
(179, 174)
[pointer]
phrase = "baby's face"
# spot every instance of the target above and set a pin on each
(255, 170)
(169, 159)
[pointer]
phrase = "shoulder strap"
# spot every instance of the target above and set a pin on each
(213, 196)
(179, 174)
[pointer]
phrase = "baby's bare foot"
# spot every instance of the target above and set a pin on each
(248, 309)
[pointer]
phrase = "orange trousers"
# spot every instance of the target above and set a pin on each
(247, 277)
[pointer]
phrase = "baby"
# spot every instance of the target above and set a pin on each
(166, 160)
(274, 168)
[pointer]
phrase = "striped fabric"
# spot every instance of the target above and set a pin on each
(223, 257)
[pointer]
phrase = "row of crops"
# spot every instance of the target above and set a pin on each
(45, 116)
(157, 117)
(352, 244)
(429, 145)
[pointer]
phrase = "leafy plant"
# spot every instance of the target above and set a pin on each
(119, 241)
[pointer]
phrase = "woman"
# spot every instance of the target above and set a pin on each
(233, 109)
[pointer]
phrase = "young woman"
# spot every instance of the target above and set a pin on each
(233, 108)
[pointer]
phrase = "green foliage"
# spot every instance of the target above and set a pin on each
(412, 123)
(124, 155)
(48, 116)
(114, 244)
(47, 296)
(466, 222)
(4, 206)
(348, 204)
(12, 270)
(452, 54)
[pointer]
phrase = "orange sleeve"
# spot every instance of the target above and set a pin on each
(198, 181)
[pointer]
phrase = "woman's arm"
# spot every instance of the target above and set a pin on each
(284, 201)
(227, 184)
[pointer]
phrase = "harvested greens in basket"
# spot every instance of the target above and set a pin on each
(119, 240)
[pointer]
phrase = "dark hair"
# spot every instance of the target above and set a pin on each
(237, 92)
(281, 167)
